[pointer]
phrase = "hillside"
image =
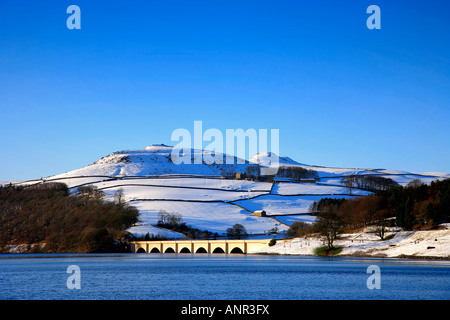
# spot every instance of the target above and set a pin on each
(412, 244)
(208, 195)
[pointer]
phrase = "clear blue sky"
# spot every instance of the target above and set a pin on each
(340, 94)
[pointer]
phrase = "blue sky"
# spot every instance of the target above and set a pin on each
(340, 94)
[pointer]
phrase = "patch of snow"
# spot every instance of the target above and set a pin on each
(131, 192)
(312, 188)
(7, 182)
(188, 182)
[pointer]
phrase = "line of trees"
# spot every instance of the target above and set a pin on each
(373, 183)
(47, 214)
(296, 173)
(253, 172)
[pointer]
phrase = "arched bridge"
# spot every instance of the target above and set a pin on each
(200, 246)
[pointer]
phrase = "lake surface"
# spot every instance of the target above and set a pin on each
(218, 277)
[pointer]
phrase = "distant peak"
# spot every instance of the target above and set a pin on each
(157, 146)
(263, 156)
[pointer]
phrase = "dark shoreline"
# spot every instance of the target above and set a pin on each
(406, 257)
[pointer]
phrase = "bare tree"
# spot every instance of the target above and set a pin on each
(329, 225)
(162, 217)
(174, 219)
(415, 183)
(119, 197)
(299, 229)
(170, 220)
(380, 223)
(90, 193)
(348, 183)
(237, 231)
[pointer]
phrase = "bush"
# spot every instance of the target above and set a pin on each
(237, 232)
(325, 251)
(298, 229)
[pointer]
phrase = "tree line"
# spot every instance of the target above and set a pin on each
(49, 215)
(373, 183)
(253, 172)
(296, 173)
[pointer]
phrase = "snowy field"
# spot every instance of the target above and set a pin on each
(190, 182)
(214, 217)
(276, 204)
(169, 193)
(290, 219)
(313, 189)
(6, 182)
(401, 178)
(404, 179)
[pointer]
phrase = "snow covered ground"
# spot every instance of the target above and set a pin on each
(275, 204)
(6, 182)
(313, 189)
(214, 217)
(133, 192)
(435, 243)
(189, 182)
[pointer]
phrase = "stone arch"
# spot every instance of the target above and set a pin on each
(169, 250)
(201, 250)
(218, 250)
(155, 250)
(141, 250)
(185, 250)
(236, 250)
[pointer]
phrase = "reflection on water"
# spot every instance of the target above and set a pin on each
(218, 276)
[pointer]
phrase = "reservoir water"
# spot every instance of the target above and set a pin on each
(218, 277)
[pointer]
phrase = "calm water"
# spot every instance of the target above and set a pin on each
(223, 277)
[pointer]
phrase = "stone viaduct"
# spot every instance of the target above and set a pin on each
(200, 246)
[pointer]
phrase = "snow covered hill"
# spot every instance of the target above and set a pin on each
(151, 161)
(152, 182)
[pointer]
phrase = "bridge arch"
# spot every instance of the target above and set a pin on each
(155, 250)
(236, 250)
(169, 250)
(140, 250)
(218, 250)
(201, 250)
(185, 250)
